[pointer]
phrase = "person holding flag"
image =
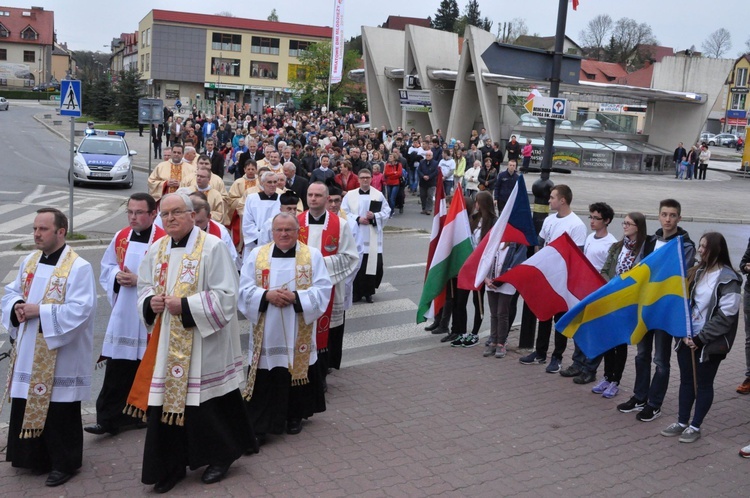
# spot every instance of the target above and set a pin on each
(714, 290)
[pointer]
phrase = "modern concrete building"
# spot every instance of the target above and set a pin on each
(27, 38)
(610, 124)
(197, 56)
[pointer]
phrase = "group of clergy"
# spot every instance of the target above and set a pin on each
(174, 362)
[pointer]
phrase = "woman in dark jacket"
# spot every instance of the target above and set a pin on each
(714, 290)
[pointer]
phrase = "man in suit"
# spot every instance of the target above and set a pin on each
(295, 182)
(217, 160)
(252, 153)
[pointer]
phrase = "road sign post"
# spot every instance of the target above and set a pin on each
(150, 113)
(70, 105)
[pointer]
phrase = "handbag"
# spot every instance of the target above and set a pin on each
(482, 187)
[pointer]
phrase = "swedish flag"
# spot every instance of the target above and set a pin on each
(652, 295)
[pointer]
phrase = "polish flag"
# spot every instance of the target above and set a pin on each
(554, 279)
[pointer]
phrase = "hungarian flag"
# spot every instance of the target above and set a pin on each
(515, 224)
(554, 279)
(438, 220)
(452, 248)
(575, 4)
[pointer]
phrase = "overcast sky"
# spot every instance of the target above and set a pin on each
(91, 24)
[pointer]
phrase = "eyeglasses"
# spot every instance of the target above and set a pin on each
(627, 224)
(136, 213)
(597, 218)
(175, 213)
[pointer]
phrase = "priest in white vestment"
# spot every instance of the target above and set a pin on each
(189, 378)
(370, 210)
(259, 207)
(126, 335)
(49, 311)
(284, 289)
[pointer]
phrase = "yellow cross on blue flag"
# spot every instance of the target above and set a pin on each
(652, 295)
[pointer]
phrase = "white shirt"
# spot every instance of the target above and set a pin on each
(554, 226)
(596, 250)
(447, 167)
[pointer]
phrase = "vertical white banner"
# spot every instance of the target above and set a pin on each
(337, 42)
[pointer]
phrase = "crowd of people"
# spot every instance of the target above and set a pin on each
(691, 164)
(292, 244)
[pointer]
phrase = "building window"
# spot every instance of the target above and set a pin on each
(148, 62)
(29, 56)
(148, 37)
(143, 38)
(3, 82)
(4, 33)
(264, 70)
(3, 54)
(143, 63)
(225, 67)
(298, 72)
(172, 91)
(226, 41)
(29, 34)
(298, 46)
(738, 100)
(261, 45)
(741, 77)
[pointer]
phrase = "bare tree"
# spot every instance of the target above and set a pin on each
(717, 44)
(596, 34)
(626, 38)
(507, 32)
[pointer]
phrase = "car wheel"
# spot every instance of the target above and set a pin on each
(130, 182)
(711, 143)
(76, 183)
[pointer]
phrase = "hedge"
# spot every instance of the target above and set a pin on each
(26, 95)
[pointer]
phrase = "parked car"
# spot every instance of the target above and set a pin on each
(47, 87)
(725, 139)
(707, 137)
(4, 104)
(103, 158)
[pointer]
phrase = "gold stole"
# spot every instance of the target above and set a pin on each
(180, 343)
(175, 173)
(303, 342)
(43, 366)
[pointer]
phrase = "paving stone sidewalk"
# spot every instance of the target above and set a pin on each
(445, 421)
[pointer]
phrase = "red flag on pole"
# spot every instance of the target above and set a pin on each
(575, 4)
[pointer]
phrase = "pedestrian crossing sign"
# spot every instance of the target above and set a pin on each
(70, 98)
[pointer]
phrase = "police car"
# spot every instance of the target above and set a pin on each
(103, 157)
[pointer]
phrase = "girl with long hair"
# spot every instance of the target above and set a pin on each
(714, 296)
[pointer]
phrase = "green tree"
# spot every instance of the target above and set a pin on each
(129, 89)
(311, 82)
(97, 98)
(472, 14)
(446, 16)
(273, 16)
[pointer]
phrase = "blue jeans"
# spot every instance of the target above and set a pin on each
(413, 179)
(448, 187)
(646, 388)
(392, 196)
(584, 363)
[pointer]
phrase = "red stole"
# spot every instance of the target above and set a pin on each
(213, 228)
(122, 240)
(328, 247)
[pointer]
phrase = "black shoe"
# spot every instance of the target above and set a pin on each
(571, 371)
(294, 426)
(368, 299)
(400, 210)
(584, 378)
(449, 338)
(99, 429)
(432, 326)
(214, 473)
(648, 414)
(169, 482)
(440, 330)
(631, 405)
(57, 477)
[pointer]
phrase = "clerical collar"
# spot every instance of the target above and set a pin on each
(362, 192)
(143, 236)
(265, 197)
(320, 220)
(182, 242)
(278, 253)
(53, 258)
(203, 189)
